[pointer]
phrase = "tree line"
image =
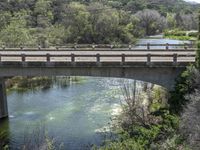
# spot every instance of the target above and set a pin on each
(57, 22)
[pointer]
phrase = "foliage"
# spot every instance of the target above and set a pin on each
(190, 118)
(186, 21)
(145, 129)
(175, 32)
(57, 34)
(198, 47)
(172, 143)
(198, 54)
(184, 84)
(22, 83)
(151, 21)
(149, 137)
(180, 34)
(39, 139)
(128, 144)
(163, 6)
(34, 83)
(193, 34)
(57, 22)
(5, 18)
(16, 33)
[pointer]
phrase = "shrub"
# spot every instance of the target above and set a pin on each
(190, 119)
(193, 34)
(184, 84)
(175, 33)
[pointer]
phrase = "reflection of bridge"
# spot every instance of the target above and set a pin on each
(158, 66)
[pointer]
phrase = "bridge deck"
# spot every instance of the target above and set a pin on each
(114, 55)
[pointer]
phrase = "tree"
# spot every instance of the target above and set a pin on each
(151, 21)
(76, 20)
(5, 18)
(110, 25)
(16, 33)
(198, 47)
(59, 10)
(190, 119)
(171, 22)
(57, 34)
(135, 6)
(43, 13)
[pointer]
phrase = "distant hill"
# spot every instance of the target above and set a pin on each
(162, 6)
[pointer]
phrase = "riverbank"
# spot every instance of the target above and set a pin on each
(145, 122)
(173, 124)
(22, 84)
(181, 35)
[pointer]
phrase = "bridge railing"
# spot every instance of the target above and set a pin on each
(98, 58)
(97, 49)
(148, 46)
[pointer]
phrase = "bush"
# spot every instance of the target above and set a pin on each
(190, 119)
(128, 144)
(144, 129)
(175, 33)
(193, 34)
(184, 84)
(198, 55)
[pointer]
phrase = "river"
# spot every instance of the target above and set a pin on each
(74, 115)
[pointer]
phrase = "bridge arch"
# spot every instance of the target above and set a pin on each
(163, 76)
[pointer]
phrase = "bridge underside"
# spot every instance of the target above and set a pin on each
(163, 74)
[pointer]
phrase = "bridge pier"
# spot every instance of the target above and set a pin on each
(3, 100)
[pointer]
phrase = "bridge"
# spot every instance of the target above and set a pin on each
(140, 62)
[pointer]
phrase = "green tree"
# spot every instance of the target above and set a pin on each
(57, 34)
(43, 13)
(16, 33)
(77, 22)
(5, 18)
(198, 47)
(171, 20)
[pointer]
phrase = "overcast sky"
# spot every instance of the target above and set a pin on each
(198, 1)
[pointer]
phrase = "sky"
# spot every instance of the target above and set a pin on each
(198, 1)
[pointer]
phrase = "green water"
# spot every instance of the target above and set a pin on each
(73, 115)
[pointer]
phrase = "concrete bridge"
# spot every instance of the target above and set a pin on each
(158, 66)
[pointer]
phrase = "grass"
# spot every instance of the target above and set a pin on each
(184, 38)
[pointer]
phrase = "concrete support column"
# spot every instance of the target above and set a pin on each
(3, 100)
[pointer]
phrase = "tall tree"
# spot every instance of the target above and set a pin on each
(151, 21)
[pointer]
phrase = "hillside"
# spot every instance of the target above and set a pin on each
(91, 21)
(129, 5)
(162, 6)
